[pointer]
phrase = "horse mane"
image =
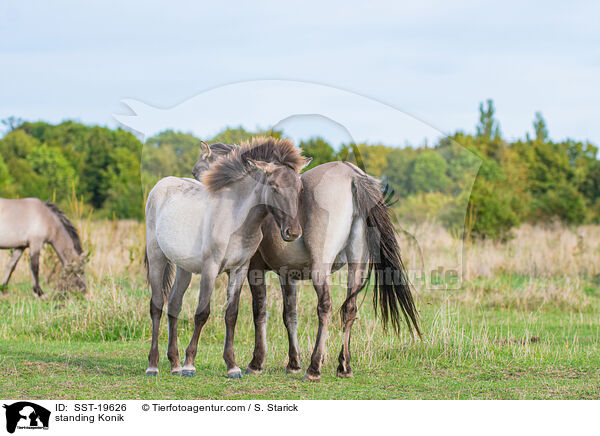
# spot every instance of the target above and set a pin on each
(68, 225)
(234, 166)
(217, 151)
(221, 149)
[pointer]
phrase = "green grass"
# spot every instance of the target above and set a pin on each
(505, 338)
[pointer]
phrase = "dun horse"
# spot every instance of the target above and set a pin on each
(344, 221)
(214, 227)
(29, 222)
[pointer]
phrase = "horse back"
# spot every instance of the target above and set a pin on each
(23, 221)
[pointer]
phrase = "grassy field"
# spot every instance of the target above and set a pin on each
(524, 324)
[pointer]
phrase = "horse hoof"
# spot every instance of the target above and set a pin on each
(251, 371)
(188, 372)
(152, 372)
(292, 370)
(347, 374)
(311, 378)
(176, 371)
(234, 373)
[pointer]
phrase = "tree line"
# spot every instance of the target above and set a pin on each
(479, 180)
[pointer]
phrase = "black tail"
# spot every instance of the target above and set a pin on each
(167, 277)
(392, 291)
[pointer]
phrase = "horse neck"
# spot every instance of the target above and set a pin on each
(251, 207)
(63, 245)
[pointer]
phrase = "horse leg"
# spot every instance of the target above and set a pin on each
(256, 280)
(234, 287)
(289, 289)
(12, 263)
(157, 268)
(349, 311)
(207, 284)
(34, 255)
(182, 281)
(320, 278)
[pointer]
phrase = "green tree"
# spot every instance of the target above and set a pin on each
(563, 201)
(17, 145)
(429, 173)
(124, 197)
(14, 148)
(6, 181)
(540, 128)
(320, 151)
(398, 170)
(590, 187)
(237, 135)
(54, 169)
(488, 127)
(169, 153)
(97, 159)
(12, 123)
(490, 213)
(534, 179)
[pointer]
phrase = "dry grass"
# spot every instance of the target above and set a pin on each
(535, 251)
(554, 264)
(549, 251)
(115, 248)
(526, 315)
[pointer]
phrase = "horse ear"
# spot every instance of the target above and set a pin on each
(265, 167)
(307, 162)
(206, 151)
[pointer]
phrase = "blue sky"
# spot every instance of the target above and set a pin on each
(77, 60)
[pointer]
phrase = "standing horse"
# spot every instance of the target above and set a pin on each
(344, 221)
(209, 155)
(214, 227)
(29, 222)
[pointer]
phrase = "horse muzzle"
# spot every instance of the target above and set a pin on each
(290, 234)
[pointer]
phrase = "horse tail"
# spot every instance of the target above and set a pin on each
(392, 293)
(67, 225)
(168, 275)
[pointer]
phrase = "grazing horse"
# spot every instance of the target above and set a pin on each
(214, 227)
(344, 221)
(29, 222)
